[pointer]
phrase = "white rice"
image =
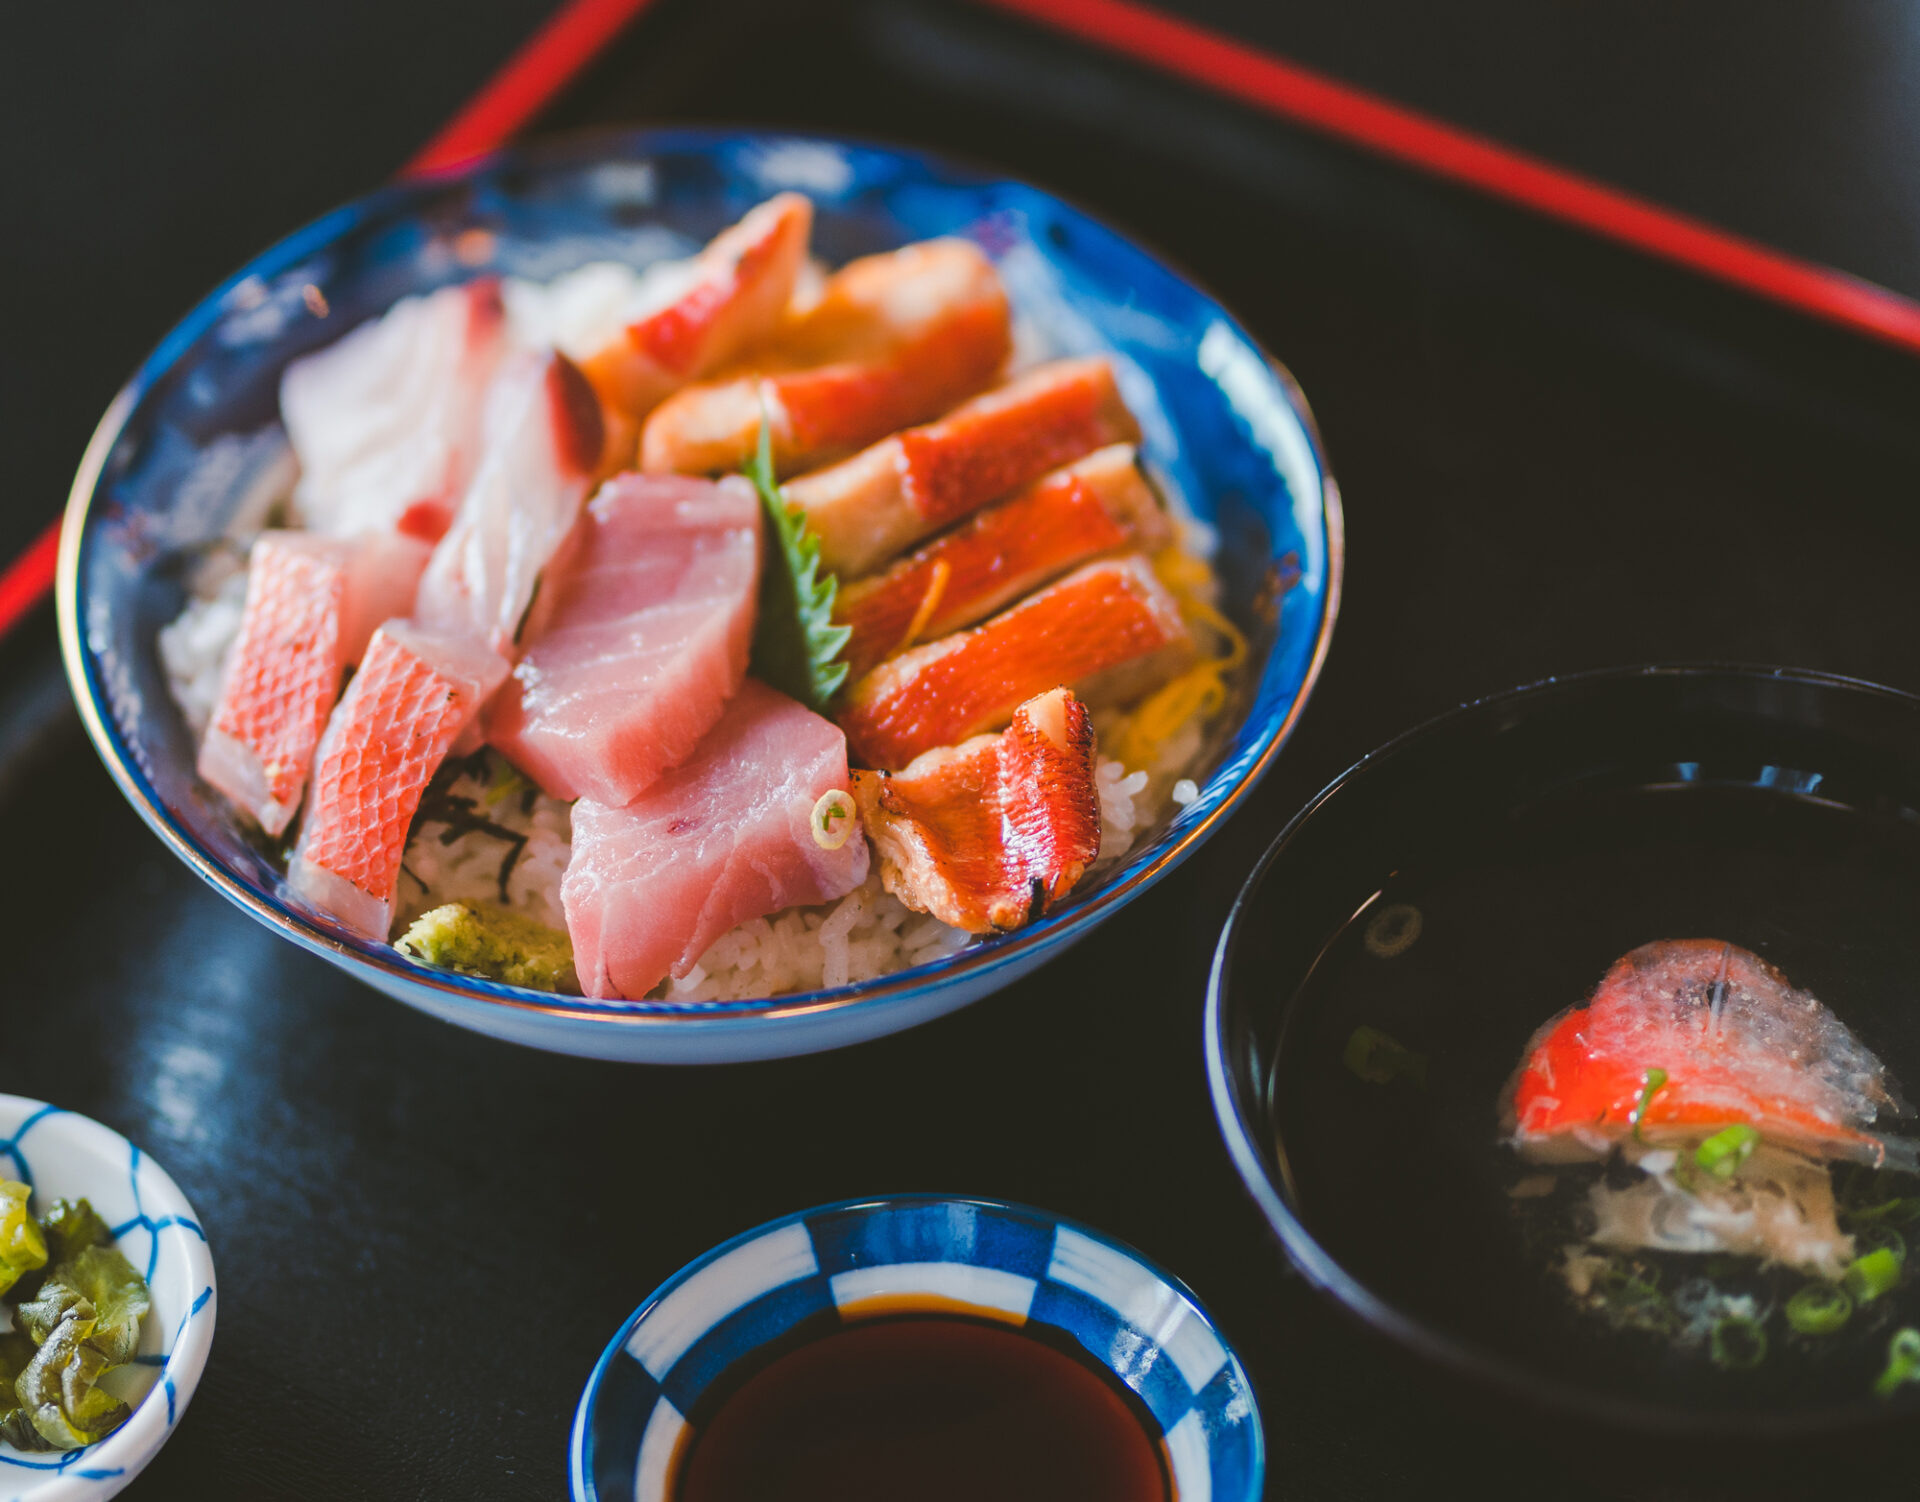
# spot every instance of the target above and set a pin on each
(194, 647)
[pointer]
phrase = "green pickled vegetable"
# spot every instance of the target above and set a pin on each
(1819, 1309)
(1725, 1151)
(118, 1294)
(496, 942)
(71, 1226)
(1869, 1276)
(58, 1389)
(1380, 1060)
(22, 1248)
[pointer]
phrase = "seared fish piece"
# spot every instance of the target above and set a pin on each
(988, 834)
(1099, 505)
(1110, 631)
(886, 498)
(895, 339)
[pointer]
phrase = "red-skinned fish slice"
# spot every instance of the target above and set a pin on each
(988, 834)
(386, 421)
(1099, 505)
(1110, 631)
(312, 604)
(888, 497)
(415, 692)
(1737, 1044)
(741, 285)
(895, 339)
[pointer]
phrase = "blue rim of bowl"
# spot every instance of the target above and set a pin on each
(579, 1456)
(1049, 933)
(1319, 1266)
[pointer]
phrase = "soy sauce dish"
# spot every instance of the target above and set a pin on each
(918, 1346)
(1563, 1041)
(113, 1225)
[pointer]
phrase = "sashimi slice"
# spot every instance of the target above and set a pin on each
(1099, 505)
(990, 833)
(312, 603)
(895, 339)
(540, 446)
(385, 422)
(723, 838)
(1734, 1042)
(1109, 631)
(638, 640)
(734, 294)
(416, 690)
(867, 508)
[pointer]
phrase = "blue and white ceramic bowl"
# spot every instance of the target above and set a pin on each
(179, 446)
(63, 1156)
(814, 1271)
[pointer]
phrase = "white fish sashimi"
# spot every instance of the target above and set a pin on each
(385, 422)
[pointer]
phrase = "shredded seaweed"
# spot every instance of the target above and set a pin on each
(796, 645)
(462, 816)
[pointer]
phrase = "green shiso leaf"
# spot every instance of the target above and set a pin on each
(796, 646)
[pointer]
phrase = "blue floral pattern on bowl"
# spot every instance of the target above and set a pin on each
(59, 1154)
(812, 1272)
(1224, 427)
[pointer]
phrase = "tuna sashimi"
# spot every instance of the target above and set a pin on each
(734, 294)
(1100, 505)
(1110, 631)
(312, 604)
(895, 339)
(385, 422)
(541, 444)
(725, 837)
(988, 834)
(1685, 1037)
(415, 692)
(638, 640)
(909, 486)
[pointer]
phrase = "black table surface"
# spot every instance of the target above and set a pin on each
(1555, 455)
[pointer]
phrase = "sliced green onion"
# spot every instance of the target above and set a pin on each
(1392, 930)
(1651, 1085)
(1903, 1362)
(1819, 1309)
(1738, 1344)
(1868, 1277)
(1723, 1153)
(1380, 1060)
(833, 819)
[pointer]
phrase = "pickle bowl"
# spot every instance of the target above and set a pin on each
(859, 1264)
(61, 1155)
(196, 431)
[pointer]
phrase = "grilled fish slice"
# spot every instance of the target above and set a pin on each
(737, 290)
(1110, 631)
(416, 691)
(886, 498)
(724, 837)
(541, 447)
(638, 639)
(312, 604)
(895, 339)
(990, 833)
(386, 422)
(1099, 505)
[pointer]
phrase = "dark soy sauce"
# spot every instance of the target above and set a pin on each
(1407, 1184)
(929, 1408)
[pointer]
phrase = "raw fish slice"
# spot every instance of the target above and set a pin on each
(638, 640)
(1737, 1044)
(1110, 631)
(415, 692)
(909, 486)
(312, 604)
(734, 294)
(723, 838)
(987, 834)
(385, 422)
(895, 339)
(1099, 505)
(541, 445)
